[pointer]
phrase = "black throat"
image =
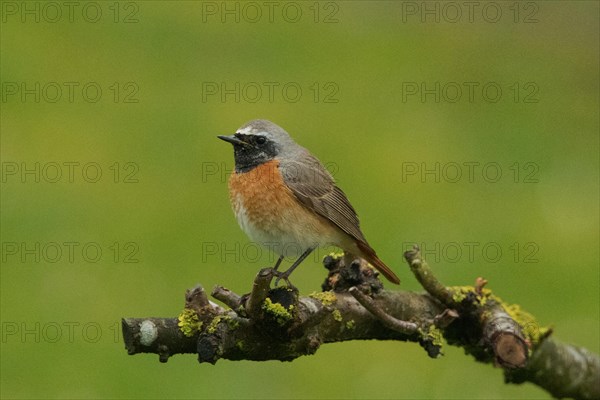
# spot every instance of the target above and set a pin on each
(248, 158)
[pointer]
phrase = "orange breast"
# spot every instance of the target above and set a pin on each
(261, 193)
(267, 210)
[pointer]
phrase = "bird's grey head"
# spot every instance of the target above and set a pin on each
(258, 142)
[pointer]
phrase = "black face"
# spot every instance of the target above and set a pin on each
(250, 150)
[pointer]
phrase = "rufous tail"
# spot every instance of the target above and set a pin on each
(369, 254)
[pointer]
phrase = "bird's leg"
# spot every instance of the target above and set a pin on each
(278, 263)
(286, 275)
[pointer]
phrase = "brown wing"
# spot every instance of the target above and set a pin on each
(315, 188)
(312, 184)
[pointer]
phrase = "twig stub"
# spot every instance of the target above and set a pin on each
(405, 327)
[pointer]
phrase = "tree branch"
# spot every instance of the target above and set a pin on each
(278, 324)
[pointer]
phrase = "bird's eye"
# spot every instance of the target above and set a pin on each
(261, 139)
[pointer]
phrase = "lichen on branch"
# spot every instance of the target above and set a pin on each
(279, 324)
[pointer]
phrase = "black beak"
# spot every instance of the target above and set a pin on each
(233, 140)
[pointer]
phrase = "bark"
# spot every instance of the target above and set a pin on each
(278, 324)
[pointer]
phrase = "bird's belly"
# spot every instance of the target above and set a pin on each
(275, 235)
(268, 212)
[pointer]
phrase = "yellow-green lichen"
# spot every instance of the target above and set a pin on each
(435, 335)
(212, 328)
(281, 314)
(350, 324)
(337, 315)
(485, 295)
(327, 298)
(189, 324)
(459, 293)
(432, 340)
(335, 255)
(531, 329)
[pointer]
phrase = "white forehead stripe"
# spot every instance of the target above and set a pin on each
(245, 131)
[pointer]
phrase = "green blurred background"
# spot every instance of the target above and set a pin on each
(60, 320)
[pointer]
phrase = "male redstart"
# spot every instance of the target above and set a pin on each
(285, 199)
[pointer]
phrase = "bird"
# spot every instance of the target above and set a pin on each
(285, 199)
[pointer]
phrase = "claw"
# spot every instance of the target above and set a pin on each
(282, 275)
